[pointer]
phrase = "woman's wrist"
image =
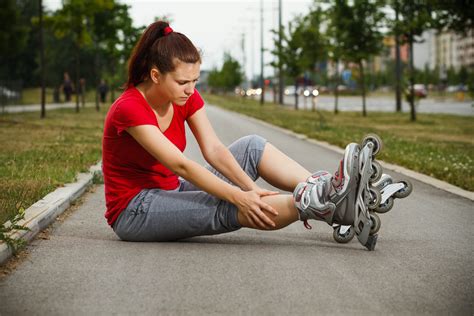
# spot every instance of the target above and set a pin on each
(235, 194)
(251, 187)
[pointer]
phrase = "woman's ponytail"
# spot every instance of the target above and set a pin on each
(158, 46)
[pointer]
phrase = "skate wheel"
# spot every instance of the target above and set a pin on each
(374, 198)
(376, 172)
(403, 193)
(343, 238)
(376, 223)
(374, 139)
(385, 207)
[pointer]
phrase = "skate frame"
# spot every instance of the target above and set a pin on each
(362, 222)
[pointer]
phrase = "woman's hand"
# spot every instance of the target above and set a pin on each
(251, 206)
(264, 192)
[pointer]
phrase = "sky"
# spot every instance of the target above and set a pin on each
(217, 26)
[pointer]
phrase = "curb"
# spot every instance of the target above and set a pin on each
(39, 215)
(439, 184)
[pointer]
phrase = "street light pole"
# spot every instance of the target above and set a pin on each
(280, 70)
(244, 63)
(262, 83)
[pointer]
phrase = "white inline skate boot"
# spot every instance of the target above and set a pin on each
(344, 200)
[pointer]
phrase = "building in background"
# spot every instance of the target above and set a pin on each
(446, 50)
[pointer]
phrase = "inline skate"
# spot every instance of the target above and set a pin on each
(348, 200)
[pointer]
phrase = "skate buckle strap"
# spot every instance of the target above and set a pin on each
(307, 225)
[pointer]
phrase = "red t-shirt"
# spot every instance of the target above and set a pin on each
(127, 166)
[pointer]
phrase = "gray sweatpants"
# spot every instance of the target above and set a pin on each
(161, 215)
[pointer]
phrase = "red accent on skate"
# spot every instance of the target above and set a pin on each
(319, 175)
(307, 225)
(338, 179)
(299, 194)
(323, 214)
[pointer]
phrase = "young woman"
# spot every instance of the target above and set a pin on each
(155, 193)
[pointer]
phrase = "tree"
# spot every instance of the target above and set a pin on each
(229, 77)
(113, 36)
(14, 35)
(97, 31)
(454, 15)
(290, 52)
(361, 37)
(415, 18)
(336, 32)
(398, 68)
(314, 43)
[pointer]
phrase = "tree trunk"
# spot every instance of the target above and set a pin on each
(275, 97)
(41, 48)
(398, 70)
(77, 79)
(97, 77)
(362, 80)
(412, 83)
(336, 91)
(296, 94)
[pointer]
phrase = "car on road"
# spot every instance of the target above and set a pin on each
(420, 90)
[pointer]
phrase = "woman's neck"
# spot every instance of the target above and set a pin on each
(156, 102)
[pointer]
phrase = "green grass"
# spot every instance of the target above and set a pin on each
(441, 146)
(37, 156)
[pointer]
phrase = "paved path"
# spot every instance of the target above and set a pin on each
(382, 104)
(36, 107)
(423, 262)
(324, 102)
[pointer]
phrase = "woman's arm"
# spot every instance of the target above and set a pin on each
(216, 154)
(154, 142)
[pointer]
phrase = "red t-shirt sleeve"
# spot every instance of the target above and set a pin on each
(131, 113)
(194, 104)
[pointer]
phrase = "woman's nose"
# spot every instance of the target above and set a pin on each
(189, 89)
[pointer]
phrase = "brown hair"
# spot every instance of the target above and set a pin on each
(155, 49)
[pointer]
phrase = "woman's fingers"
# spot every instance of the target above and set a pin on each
(268, 208)
(256, 220)
(265, 218)
(268, 193)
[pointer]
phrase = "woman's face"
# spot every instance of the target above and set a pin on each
(179, 85)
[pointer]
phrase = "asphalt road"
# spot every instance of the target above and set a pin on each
(423, 262)
(381, 104)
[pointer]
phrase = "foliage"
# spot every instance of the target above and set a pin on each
(290, 53)
(415, 18)
(17, 40)
(100, 33)
(454, 15)
(314, 42)
(228, 77)
(12, 226)
(360, 37)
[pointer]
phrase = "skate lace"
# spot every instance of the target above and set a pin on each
(307, 225)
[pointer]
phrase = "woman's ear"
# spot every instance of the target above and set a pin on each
(155, 75)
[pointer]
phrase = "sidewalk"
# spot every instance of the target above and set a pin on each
(37, 107)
